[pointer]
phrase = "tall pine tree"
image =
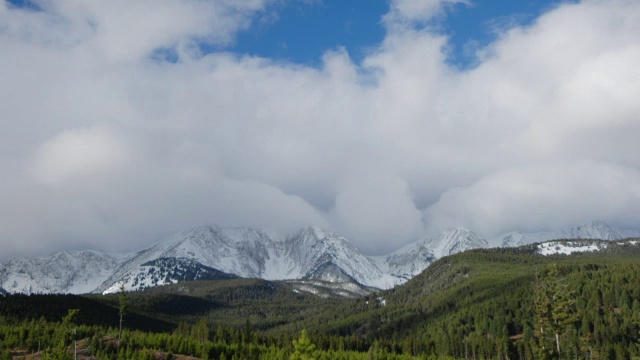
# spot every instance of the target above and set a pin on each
(304, 349)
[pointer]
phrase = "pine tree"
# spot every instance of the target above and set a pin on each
(123, 309)
(304, 349)
(201, 331)
(554, 307)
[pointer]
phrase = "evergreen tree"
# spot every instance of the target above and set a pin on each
(554, 308)
(304, 349)
(123, 309)
(201, 331)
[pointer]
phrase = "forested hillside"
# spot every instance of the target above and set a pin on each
(492, 304)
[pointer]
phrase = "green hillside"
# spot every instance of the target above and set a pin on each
(491, 304)
(481, 304)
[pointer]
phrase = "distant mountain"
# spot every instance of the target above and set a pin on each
(455, 241)
(166, 271)
(63, 272)
(322, 259)
(324, 256)
(412, 259)
(593, 230)
(310, 254)
(407, 262)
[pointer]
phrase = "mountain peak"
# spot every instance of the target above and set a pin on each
(455, 240)
(317, 233)
(312, 253)
(596, 229)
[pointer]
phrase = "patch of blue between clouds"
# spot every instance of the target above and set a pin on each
(470, 28)
(25, 4)
(302, 31)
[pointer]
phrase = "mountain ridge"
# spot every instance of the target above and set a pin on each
(311, 254)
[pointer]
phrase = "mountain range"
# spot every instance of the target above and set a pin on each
(312, 254)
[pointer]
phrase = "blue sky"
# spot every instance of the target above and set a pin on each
(302, 31)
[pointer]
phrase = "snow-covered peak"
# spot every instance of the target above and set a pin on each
(592, 230)
(248, 252)
(453, 241)
(408, 261)
(165, 271)
(320, 254)
(314, 235)
(312, 254)
(317, 233)
(412, 259)
(62, 272)
(244, 234)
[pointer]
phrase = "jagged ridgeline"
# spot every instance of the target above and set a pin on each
(487, 303)
(312, 254)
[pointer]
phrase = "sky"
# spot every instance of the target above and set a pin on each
(383, 121)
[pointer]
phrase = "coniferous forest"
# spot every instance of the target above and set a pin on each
(481, 304)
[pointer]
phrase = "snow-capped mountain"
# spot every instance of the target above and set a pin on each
(407, 262)
(593, 230)
(63, 272)
(251, 253)
(412, 259)
(165, 271)
(324, 256)
(311, 256)
(233, 251)
(455, 241)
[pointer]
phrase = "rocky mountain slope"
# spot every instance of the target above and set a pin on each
(313, 255)
(251, 253)
(164, 271)
(593, 230)
(63, 272)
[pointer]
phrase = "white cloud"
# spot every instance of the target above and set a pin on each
(410, 12)
(78, 153)
(377, 207)
(552, 196)
(102, 144)
(128, 31)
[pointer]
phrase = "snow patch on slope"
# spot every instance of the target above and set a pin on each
(165, 271)
(568, 247)
(593, 230)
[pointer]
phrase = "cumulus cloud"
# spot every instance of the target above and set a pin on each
(78, 153)
(554, 195)
(377, 207)
(106, 144)
(125, 31)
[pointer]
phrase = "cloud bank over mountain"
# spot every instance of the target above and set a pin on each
(122, 126)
